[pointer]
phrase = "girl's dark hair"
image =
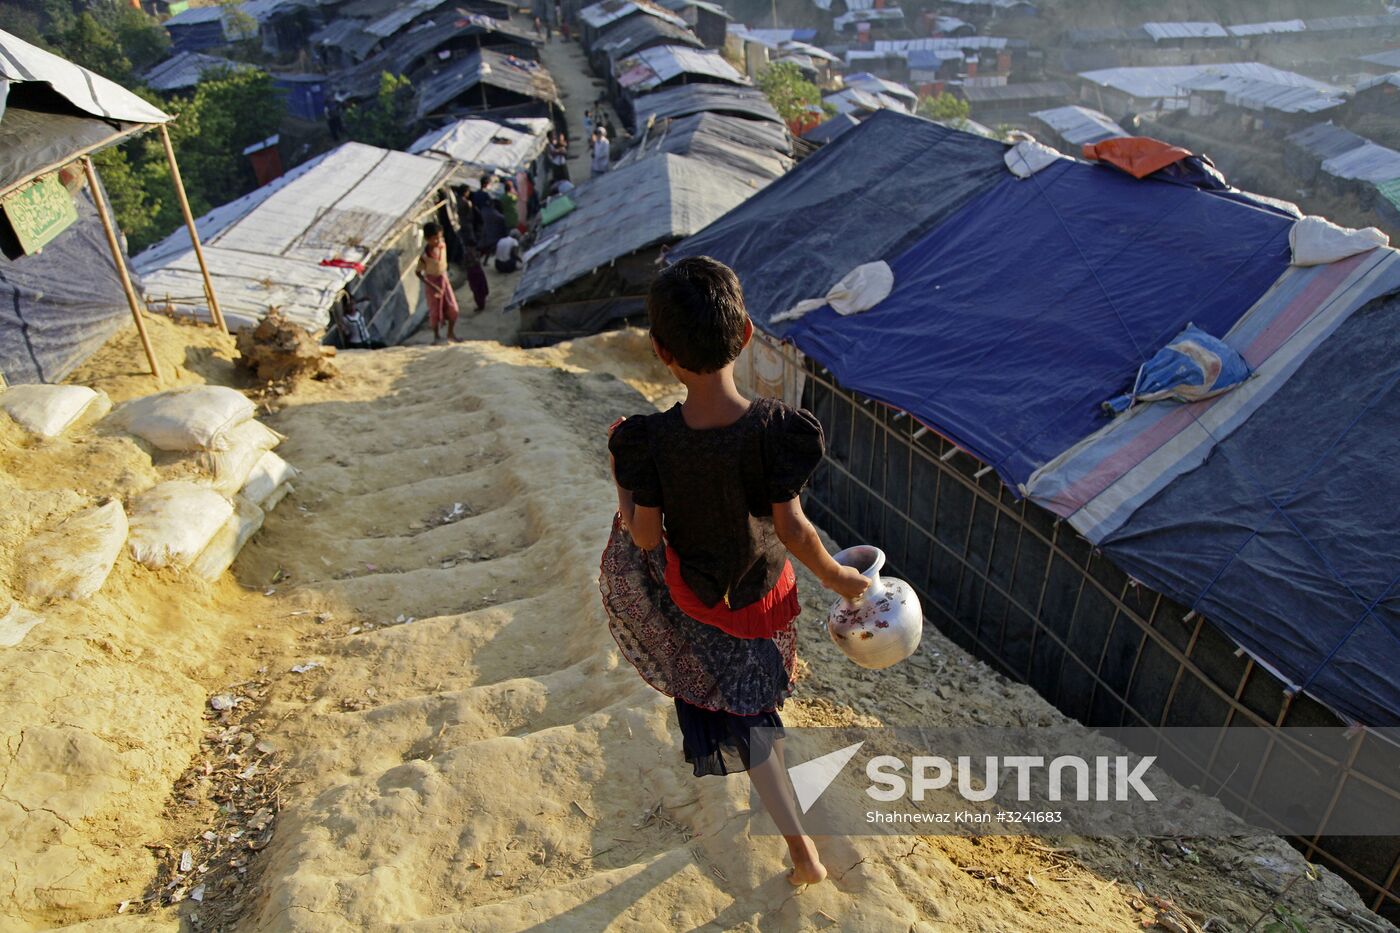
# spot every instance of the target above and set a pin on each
(431, 229)
(697, 313)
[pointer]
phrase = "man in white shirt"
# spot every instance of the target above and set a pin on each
(507, 254)
(602, 151)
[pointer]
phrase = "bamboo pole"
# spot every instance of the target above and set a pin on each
(214, 310)
(106, 218)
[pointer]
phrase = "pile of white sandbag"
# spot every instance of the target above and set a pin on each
(225, 477)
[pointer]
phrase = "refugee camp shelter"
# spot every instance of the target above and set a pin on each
(1140, 89)
(598, 17)
(633, 34)
(477, 146)
(747, 102)
(183, 70)
(707, 20)
(752, 148)
(1377, 94)
(1071, 128)
(1224, 563)
(994, 102)
(593, 266)
(487, 82)
(346, 220)
(62, 290)
(304, 94)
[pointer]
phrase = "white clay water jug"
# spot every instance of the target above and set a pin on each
(881, 627)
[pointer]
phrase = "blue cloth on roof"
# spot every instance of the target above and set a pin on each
(1192, 367)
(1012, 320)
(1286, 537)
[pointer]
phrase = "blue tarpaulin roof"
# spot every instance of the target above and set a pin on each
(1019, 305)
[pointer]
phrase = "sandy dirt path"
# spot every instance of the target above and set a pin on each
(471, 753)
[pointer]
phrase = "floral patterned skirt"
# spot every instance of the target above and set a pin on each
(689, 660)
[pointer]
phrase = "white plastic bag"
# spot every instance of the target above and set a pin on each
(223, 548)
(192, 418)
(270, 473)
(50, 410)
(173, 522)
(229, 469)
(15, 624)
(73, 560)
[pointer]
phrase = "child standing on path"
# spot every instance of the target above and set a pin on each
(708, 619)
(432, 269)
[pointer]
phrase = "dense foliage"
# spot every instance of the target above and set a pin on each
(945, 108)
(791, 94)
(387, 120)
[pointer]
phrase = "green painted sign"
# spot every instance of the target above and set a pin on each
(39, 212)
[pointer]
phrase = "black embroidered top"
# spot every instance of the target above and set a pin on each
(716, 488)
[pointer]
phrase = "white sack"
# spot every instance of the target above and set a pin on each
(270, 473)
(15, 624)
(50, 410)
(74, 559)
(1028, 157)
(229, 469)
(173, 522)
(223, 548)
(192, 418)
(1317, 241)
(861, 289)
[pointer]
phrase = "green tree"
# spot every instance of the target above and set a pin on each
(791, 94)
(945, 108)
(387, 120)
(114, 40)
(91, 44)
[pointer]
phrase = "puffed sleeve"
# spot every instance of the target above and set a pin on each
(795, 447)
(636, 470)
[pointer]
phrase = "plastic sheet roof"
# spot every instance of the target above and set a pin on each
(86, 91)
(610, 11)
(1389, 59)
(390, 23)
(751, 148)
(265, 249)
(1278, 27)
(184, 70)
(695, 98)
(653, 67)
(1168, 81)
(886, 14)
(625, 37)
(869, 83)
(1253, 94)
(826, 132)
(1367, 162)
(1201, 30)
(1393, 79)
(529, 79)
(1325, 140)
(486, 145)
(1079, 125)
(853, 100)
(631, 208)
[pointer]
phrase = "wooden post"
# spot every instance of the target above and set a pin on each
(131, 299)
(215, 311)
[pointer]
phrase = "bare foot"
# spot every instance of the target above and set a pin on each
(807, 865)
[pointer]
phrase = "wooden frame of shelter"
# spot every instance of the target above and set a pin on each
(35, 66)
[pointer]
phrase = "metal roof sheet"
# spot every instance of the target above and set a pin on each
(1390, 59)
(1393, 79)
(401, 16)
(631, 208)
(265, 249)
(1253, 94)
(486, 145)
(954, 43)
(1079, 125)
(653, 67)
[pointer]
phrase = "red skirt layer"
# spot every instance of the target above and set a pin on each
(763, 618)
